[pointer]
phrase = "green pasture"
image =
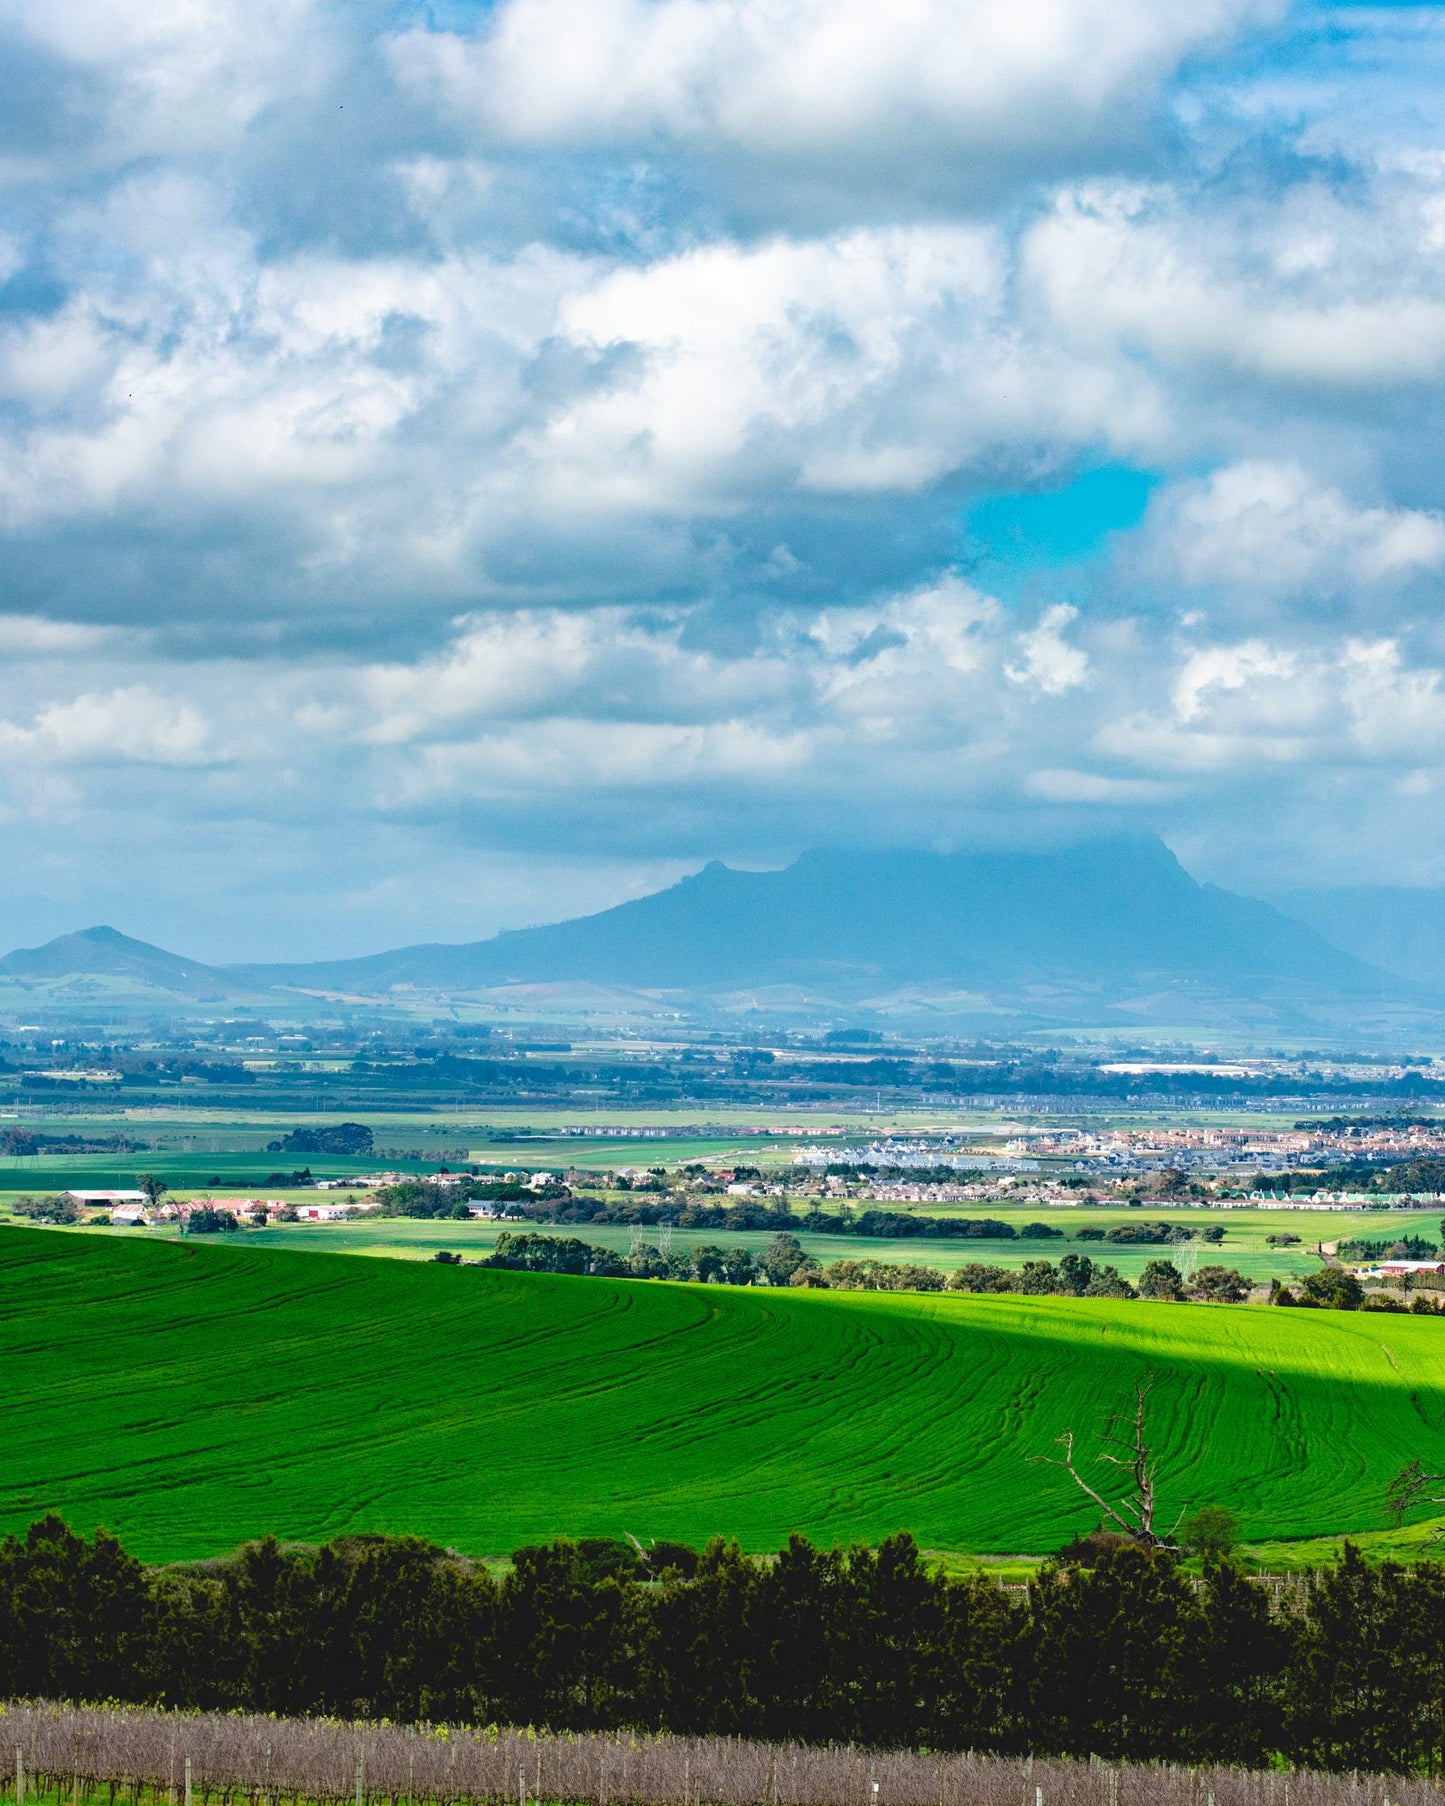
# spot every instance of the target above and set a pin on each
(193, 1395)
(42, 1173)
(1244, 1245)
(191, 1147)
(400, 1237)
(584, 1151)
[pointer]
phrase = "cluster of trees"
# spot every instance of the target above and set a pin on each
(556, 1204)
(22, 1143)
(205, 1219)
(783, 1262)
(1422, 1174)
(352, 1139)
(1150, 1234)
(169, 1070)
(59, 1208)
(777, 1264)
(1076, 1276)
(1406, 1247)
(427, 1198)
(889, 1225)
(1126, 1658)
(1333, 1289)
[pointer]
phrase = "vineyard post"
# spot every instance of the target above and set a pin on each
(360, 1779)
(188, 1781)
(19, 1777)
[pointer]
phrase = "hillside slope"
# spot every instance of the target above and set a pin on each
(105, 953)
(487, 1409)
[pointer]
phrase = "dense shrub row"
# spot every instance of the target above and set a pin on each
(1127, 1659)
(783, 1263)
(1423, 1174)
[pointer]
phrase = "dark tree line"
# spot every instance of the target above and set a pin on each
(1422, 1174)
(1128, 1658)
(783, 1262)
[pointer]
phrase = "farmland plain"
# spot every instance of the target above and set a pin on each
(1245, 1245)
(190, 1396)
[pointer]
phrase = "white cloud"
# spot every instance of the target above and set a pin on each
(1395, 713)
(1304, 287)
(659, 346)
(197, 376)
(571, 756)
(1248, 705)
(787, 77)
(1271, 527)
(35, 636)
(1227, 670)
(1093, 787)
(870, 362)
(133, 725)
(1050, 663)
(177, 76)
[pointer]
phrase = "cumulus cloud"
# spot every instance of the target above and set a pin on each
(1309, 286)
(135, 725)
(1049, 661)
(1236, 706)
(554, 440)
(872, 362)
(835, 84)
(1271, 527)
(175, 78)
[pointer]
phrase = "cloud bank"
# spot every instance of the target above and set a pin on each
(460, 467)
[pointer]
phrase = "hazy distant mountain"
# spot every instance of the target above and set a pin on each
(106, 954)
(1111, 930)
(1399, 929)
(1111, 916)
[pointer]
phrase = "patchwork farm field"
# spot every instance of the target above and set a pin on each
(191, 1396)
(1245, 1243)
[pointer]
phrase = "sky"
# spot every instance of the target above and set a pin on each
(463, 465)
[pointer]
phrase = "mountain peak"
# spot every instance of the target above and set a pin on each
(1080, 928)
(103, 952)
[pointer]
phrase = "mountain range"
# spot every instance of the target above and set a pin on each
(1112, 930)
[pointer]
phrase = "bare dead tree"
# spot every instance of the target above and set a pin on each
(1123, 1445)
(1411, 1487)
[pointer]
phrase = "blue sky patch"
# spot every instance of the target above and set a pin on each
(1019, 533)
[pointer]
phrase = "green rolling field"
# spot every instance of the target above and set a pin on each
(193, 1396)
